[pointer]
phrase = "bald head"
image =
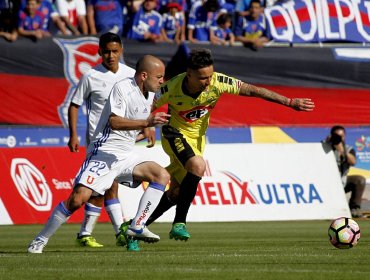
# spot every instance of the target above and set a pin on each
(149, 73)
(147, 63)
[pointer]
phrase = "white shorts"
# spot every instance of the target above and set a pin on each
(99, 171)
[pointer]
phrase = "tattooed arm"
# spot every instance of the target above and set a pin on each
(298, 104)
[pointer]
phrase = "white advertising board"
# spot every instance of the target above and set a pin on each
(259, 182)
(4, 215)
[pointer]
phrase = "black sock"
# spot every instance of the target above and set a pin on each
(188, 190)
(164, 204)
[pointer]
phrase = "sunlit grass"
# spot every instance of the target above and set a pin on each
(243, 250)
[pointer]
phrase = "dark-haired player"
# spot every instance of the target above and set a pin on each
(191, 97)
(94, 88)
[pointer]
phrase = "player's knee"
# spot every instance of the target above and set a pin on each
(79, 196)
(162, 176)
(197, 166)
(74, 203)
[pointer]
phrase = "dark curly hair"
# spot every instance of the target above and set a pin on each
(200, 58)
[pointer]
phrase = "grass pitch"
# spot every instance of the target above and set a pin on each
(240, 250)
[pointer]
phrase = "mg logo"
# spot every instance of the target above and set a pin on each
(31, 184)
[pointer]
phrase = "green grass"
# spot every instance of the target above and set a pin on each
(243, 250)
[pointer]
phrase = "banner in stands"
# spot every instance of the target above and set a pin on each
(40, 85)
(305, 21)
(257, 182)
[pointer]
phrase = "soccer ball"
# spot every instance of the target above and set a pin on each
(344, 233)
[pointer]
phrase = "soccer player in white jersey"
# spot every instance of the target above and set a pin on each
(94, 88)
(110, 155)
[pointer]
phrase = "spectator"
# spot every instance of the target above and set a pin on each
(105, 16)
(50, 14)
(163, 8)
(251, 30)
(223, 34)
(202, 20)
(242, 7)
(147, 23)
(345, 157)
(73, 14)
(173, 28)
(228, 5)
(31, 21)
(8, 19)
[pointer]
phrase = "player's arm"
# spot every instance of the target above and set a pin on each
(73, 142)
(298, 104)
(119, 123)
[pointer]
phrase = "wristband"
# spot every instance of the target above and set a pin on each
(291, 102)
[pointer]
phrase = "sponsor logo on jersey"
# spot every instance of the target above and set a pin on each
(80, 55)
(90, 179)
(195, 113)
(31, 184)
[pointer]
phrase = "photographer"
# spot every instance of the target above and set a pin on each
(345, 156)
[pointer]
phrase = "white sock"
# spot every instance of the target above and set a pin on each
(92, 214)
(148, 202)
(114, 210)
(58, 217)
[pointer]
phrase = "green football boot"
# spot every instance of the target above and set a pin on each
(179, 232)
(133, 245)
(123, 239)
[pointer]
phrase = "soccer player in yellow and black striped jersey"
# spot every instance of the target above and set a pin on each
(191, 96)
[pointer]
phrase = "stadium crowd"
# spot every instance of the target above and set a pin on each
(220, 22)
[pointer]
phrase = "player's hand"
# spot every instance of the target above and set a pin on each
(302, 104)
(74, 144)
(150, 135)
(158, 118)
